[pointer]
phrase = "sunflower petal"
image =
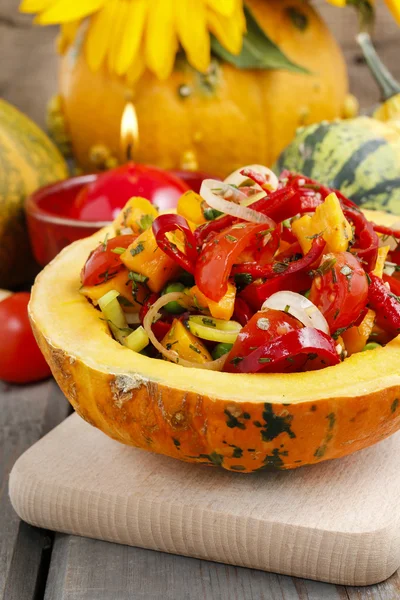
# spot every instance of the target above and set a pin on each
(119, 20)
(131, 36)
(394, 7)
(34, 6)
(62, 11)
(67, 35)
(193, 33)
(136, 68)
(161, 42)
(228, 31)
(99, 35)
(223, 7)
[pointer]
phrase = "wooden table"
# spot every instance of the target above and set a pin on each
(36, 564)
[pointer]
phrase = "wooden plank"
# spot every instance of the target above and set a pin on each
(26, 414)
(387, 590)
(83, 569)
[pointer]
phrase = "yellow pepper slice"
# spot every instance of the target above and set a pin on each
(329, 221)
(355, 338)
(220, 310)
(138, 214)
(190, 206)
(185, 344)
(123, 286)
(380, 260)
(145, 257)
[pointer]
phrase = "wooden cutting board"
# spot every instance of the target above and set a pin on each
(336, 522)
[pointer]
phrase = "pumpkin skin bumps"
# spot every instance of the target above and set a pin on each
(240, 422)
(28, 160)
(224, 119)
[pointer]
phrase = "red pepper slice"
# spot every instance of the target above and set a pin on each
(295, 276)
(393, 282)
(259, 178)
(215, 262)
(368, 240)
(169, 223)
(242, 312)
(304, 349)
(103, 263)
(389, 231)
(386, 305)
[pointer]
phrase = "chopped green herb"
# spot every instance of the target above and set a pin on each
(290, 359)
(312, 356)
(338, 332)
(209, 322)
(236, 360)
(243, 279)
(264, 360)
(137, 277)
(324, 267)
(169, 345)
(287, 308)
(138, 249)
(368, 278)
(231, 238)
(118, 250)
(145, 222)
(211, 213)
(280, 267)
(315, 236)
(335, 316)
(124, 302)
(105, 242)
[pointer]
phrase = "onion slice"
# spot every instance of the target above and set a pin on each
(236, 178)
(229, 206)
(214, 365)
(299, 307)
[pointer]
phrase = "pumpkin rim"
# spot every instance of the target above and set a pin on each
(71, 324)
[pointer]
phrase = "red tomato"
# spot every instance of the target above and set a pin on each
(103, 262)
(264, 326)
(21, 360)
(341, 292)
(215, 261)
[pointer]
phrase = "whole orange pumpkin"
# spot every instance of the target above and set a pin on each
(224, 119)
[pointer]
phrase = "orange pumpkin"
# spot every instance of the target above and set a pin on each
(224, 119)
(240, 422)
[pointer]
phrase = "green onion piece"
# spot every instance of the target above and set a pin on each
(114, 315)
(214, 330)
(371, 346)
(137, 340)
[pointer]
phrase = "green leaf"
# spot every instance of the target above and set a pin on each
(258, 51)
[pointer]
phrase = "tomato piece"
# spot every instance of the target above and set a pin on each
(340, 289)
(217, 257)
(21, 360)
(103, 263)
(264, 326)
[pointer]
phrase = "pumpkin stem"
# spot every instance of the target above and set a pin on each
(387, 84)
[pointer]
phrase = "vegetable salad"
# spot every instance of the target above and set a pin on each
(256, 274)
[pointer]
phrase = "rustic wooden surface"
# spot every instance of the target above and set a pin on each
(83, 569)
(26, 414)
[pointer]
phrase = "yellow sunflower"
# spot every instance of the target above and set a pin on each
(130, 35)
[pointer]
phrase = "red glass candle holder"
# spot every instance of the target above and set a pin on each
(48, 215)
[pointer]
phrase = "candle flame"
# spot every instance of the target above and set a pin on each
(129, 130)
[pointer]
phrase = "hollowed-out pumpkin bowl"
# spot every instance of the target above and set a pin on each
(240, 422)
